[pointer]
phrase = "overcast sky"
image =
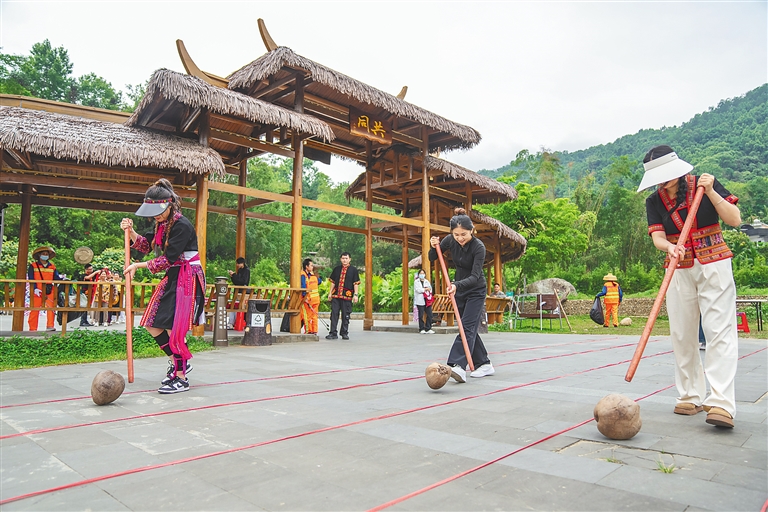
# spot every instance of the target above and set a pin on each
(562, 75)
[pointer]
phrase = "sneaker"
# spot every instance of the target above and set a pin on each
(702, 346)
(51, 329)
(177, 385)
(170, 373)
(422, 332)
(344, 337)
(719, 417)
(458, 374)
(331, 337)
(483, 371)
(430, 331)
(688, 409)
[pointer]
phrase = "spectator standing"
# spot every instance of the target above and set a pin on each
(345, 282)
(702, 287)
(87, 291)
(240, 277)
(421, 285)
(613, 297)
(311, 303)
(43, 294)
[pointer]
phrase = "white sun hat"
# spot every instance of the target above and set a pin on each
(663, 169)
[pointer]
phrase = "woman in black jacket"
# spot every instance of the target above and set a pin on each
(468, 254)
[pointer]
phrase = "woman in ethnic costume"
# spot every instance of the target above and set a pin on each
(178, 300)
(311, 303)
(468, 254)
(702, 286)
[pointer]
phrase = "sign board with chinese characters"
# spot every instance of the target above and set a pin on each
(370, 127)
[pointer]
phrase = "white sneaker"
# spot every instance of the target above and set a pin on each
(422, 332)
(483, 371)
(458, 374)
(430, 331)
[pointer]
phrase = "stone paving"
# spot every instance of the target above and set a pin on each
(352, 425)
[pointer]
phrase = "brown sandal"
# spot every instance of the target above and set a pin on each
(688, 409)
(719, 417)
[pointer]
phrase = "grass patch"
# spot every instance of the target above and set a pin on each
(81, 346)
(664, 468)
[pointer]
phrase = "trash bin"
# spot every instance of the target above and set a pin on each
(258, 329)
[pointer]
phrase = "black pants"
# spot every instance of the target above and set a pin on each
(345, 308)
(471, 311)
(425, 317)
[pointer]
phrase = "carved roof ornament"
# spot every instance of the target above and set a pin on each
(268, 41)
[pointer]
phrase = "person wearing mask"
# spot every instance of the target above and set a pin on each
(311, 303)
(43, 294)
(421, 285)
(469, 287)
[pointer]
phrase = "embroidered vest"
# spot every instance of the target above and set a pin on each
(706, 243)
(340, 292)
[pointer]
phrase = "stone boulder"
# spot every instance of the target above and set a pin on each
(552, 285)
(626, 321)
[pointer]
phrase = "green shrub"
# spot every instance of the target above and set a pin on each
(81, 346)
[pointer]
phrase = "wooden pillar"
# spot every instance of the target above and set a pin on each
(498, 266)
(426, 230)
(296, 207)
(201, 205)
(488, 280)
(240, 242)
(21, 258)
(368, 295)
(406, 278)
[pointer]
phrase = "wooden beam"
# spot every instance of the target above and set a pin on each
(187, 124)
(296, 207)
(250, 142)
(250, 192)
(23, 159)
(82, 184)
(310, 203)
(273, 86)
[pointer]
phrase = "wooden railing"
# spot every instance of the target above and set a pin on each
(285, 300)
(494, 306)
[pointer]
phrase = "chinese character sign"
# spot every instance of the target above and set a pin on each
(370, 127)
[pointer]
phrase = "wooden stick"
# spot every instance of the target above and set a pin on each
(692, 210)
(128, 308)
(562, 309)
(447, 279)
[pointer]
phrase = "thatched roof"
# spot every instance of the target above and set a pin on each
(499, 191)
(101, 143)
(502, 229)
(194, 92)
(459, 172)
(272, 62)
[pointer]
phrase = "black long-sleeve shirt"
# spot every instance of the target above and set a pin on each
(242, 277)
(469, 278)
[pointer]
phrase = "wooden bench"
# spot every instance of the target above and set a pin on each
(545, 305)
(494, 307)
(281, 300)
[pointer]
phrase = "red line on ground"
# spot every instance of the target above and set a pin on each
(486, 464)
(306, 374)
(277, 397)
(307, 433)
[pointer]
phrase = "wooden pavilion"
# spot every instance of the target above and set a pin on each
(282, 104)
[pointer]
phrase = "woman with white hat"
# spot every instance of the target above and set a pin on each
(43, 294)
(178, 300)
(702, 286)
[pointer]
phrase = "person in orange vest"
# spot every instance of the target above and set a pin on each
(613, 297)
(43, 294)
(311, 303)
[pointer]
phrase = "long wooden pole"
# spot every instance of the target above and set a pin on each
(447, 279)
(562, 309)
(128, 308)
(692, 210)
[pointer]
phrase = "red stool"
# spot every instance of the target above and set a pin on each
(741, 324)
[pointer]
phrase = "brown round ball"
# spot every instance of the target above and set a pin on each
(107, 387)
(437, 375)
(618, 417)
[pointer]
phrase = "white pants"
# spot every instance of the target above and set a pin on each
(707, 292)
